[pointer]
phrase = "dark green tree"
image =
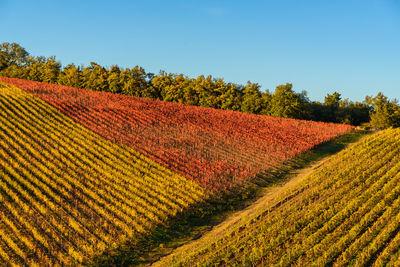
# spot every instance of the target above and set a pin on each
(332, 102)
(354, 113)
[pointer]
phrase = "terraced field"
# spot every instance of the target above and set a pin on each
(67, 194)
(345, 213)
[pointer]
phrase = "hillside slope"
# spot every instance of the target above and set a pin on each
(216, 148)
(346, 212)
(67, 194)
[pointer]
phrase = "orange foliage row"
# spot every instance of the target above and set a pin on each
(218, 149)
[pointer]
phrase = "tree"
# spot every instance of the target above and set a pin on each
(332, 102)
(385, 113)
(318, 111)
(114, 79)
(12, 54)
(333, 99)
(231, 98)
(189, 93)
(164, 82)
(286, 103)
(16, 62)
(267, 103)
(51, 70)
(252, 100)
(94, 77)
(35, 68)
(71, 76)
(135, 82)
(15, 71)
(176, 88)
(354, 113)
(205, 89)
(305, 106)
(175, 92)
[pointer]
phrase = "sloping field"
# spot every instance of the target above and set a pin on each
(347, 212)
(218, 149)
(67, 194)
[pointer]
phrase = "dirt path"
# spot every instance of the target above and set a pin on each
(267, 195)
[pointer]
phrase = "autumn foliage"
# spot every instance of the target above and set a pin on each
(218, 149)
(345, 213)
(67, 194)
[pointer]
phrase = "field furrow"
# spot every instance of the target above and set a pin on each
(219, 149)
(344, 213)
(68, 194)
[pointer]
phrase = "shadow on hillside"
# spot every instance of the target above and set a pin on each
(200, 218)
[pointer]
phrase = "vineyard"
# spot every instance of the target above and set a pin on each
(66, 194)
(84, 173)
(347, 212)
(218, 149)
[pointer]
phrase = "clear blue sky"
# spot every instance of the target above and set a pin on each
(352, 47)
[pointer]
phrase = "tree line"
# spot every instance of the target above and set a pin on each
(206, 91)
